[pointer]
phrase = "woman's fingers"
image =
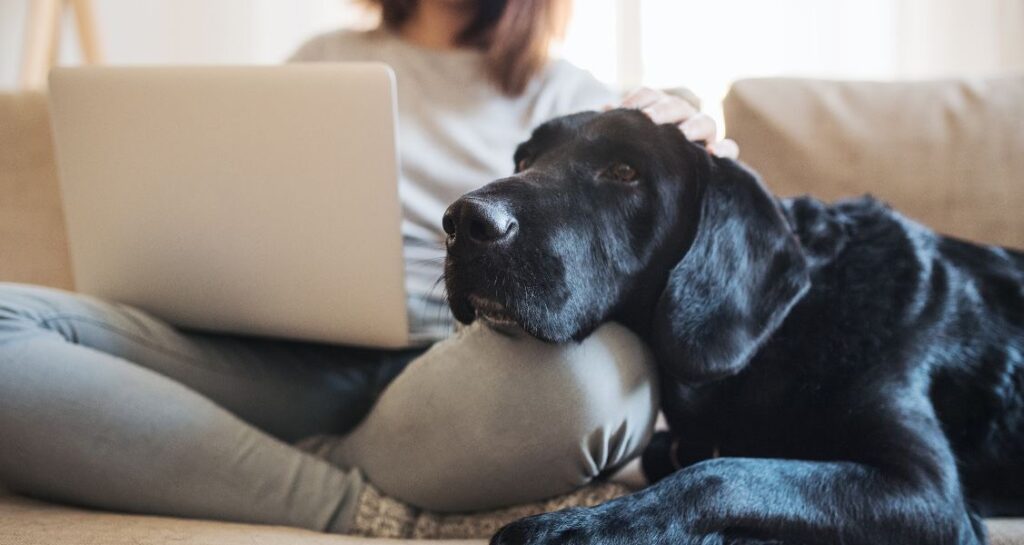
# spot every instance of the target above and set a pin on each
(661, 107)
(725, 148)
(700, 128)
(670, 110)
(641, 98)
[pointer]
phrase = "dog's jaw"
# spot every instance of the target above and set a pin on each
(491, 311)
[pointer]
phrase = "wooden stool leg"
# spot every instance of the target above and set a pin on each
(88, 35)
(41, 34)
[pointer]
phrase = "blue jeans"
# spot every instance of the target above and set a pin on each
(104, 406)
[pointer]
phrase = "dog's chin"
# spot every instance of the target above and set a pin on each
(514, 318)
(492, 313)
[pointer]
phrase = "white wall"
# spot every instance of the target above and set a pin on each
(956, 37)
(12, 14)
(186, 31)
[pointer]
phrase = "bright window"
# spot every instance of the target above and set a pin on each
(705, 45)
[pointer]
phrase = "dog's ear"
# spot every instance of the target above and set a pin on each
(734, 286)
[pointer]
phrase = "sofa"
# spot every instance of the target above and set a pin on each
(947, 153)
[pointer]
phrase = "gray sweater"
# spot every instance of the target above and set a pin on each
(457, 132)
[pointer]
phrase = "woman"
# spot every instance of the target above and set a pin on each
(107, 407)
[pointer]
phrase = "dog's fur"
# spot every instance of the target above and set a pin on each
(831, 373)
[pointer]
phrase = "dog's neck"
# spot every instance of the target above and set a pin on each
(638, 309)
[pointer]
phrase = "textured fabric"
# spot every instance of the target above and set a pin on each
(381, 516)
(1006, 531)
(457, 132)
(33, 244)
(946, 153)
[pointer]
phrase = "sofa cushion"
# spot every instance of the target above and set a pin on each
(947, 153)
(33, 244)
(27, 522)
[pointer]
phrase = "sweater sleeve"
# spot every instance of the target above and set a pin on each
(337, 46)
(311, 51)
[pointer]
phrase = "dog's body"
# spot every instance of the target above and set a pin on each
(906, 345)
(831, 374)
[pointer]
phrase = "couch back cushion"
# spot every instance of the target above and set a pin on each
(33, 243)
(949, 154)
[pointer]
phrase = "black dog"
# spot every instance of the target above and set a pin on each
(831, 373)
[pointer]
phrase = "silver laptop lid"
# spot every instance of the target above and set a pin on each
(253, 200)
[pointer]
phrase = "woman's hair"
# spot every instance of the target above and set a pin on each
(515, 35)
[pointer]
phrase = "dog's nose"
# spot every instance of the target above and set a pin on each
(479, 222)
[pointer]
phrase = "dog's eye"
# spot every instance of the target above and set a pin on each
(523, 164)
(623, 172)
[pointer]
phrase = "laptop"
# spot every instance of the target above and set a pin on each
(249, 200)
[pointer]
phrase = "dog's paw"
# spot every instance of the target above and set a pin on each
(576, 526)
(601, 525)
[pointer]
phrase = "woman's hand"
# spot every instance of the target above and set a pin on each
(697, 127)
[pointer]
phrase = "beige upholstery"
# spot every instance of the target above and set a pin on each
(33, 245)
(26, 522)
(949, 153)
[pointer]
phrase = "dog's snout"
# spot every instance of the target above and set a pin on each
(480, 222)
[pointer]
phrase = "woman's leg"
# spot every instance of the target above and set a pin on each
(104, 406)
(486, 420)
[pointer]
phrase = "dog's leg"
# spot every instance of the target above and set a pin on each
(908, 493)
(746, 500)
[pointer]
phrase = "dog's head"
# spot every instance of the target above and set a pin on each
(611, 217)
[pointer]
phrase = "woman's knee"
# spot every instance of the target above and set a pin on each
(604, 403)
(488, 420)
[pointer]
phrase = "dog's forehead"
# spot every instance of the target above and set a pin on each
(621, 119)
(622, 124)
